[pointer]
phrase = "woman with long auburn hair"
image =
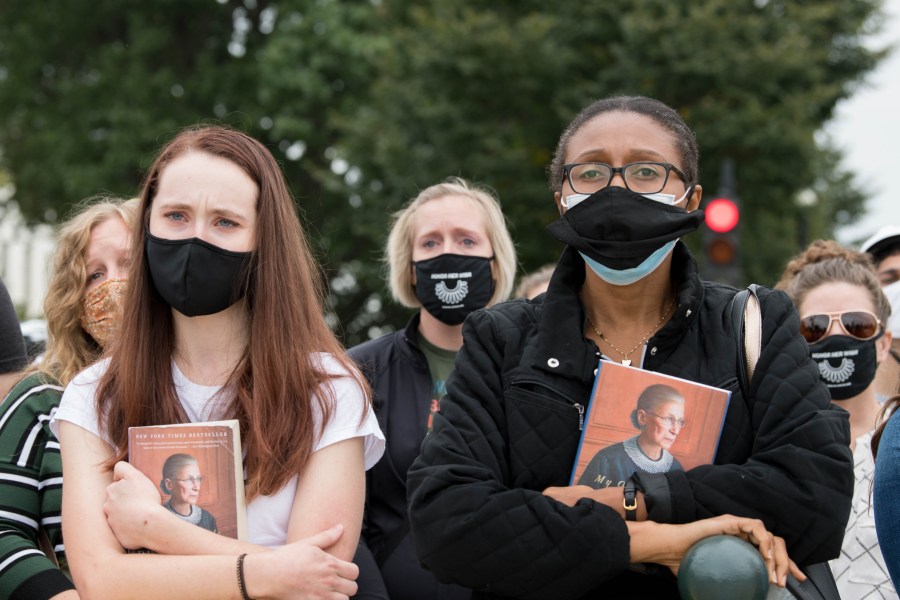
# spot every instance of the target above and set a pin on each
(223, 319)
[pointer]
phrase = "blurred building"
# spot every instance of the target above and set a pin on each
(25, 254)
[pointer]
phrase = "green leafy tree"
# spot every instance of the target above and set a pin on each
(483, 90)
(90, 90)
(367, 102)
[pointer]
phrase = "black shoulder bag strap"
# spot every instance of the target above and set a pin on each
(744, 307)
(746, 321)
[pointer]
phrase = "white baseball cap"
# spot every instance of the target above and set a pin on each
(886, 236)
(893, 295)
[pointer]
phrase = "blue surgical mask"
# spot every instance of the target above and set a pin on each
(574, 199)
(629, 276)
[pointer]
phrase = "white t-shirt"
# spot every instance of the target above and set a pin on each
(267, 516)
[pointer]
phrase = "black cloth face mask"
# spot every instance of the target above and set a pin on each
(451, 286)
(846, 365)
(195, 277)
(620, 229)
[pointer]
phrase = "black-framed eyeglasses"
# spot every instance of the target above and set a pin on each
(639, 177)
(670, 421)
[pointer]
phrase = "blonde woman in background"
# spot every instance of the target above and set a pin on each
(83, 310)
(449, 253)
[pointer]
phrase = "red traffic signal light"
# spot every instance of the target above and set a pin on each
(722, 215)
(721, 238)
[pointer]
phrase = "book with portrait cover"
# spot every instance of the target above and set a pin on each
(198, 470)
(642, 420)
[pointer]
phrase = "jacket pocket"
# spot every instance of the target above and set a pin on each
(543, 434)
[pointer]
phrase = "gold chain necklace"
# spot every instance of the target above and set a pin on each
(625, 359)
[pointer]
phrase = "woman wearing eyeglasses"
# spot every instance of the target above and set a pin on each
(490, 507)
(181, 481)
(659, 416)
(842, 315)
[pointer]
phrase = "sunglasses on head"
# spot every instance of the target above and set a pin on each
(859, 324)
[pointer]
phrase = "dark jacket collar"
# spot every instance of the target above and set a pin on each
(411, 331)
(562, 348)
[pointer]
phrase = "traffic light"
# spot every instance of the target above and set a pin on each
(721, 236)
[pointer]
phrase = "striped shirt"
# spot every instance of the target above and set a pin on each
(30, 491)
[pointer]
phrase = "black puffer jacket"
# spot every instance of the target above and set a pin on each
(402, 390)
(509, 428)
(401, 384)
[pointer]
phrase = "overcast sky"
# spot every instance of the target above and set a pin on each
(867, 128)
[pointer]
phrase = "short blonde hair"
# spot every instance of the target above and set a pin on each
(398, 253)
(69, 347)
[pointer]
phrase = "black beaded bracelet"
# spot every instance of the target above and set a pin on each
(240, 573)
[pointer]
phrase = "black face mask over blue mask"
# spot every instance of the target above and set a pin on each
(451, 286)
(195, 277)
(620, 229)
(846, 365)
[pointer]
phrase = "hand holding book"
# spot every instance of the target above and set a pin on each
(131, 499)
(642, 421)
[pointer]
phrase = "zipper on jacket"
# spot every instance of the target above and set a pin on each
(577, 405)
(547, 387)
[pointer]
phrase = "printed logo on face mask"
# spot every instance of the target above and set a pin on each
(452, 296)
(838, 374)
(450, 286)
(846, 365)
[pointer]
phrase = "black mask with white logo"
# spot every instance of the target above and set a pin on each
(451, 286)
(195, 277)
(846, 365)
(620, 229)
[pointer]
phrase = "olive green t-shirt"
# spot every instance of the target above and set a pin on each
(440, 363)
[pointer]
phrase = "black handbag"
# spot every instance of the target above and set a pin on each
(746, 320)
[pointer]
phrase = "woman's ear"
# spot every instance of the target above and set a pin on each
(557, 197)
(642, 417)
(883, 346)
(167, 486)
(694, 201)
